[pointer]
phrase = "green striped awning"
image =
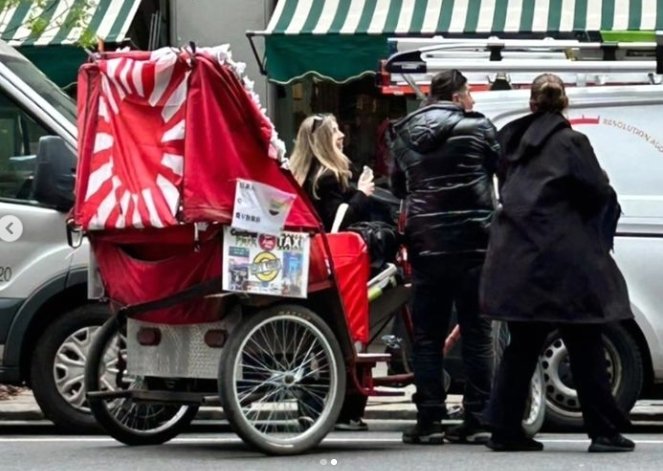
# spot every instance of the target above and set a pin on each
(52, 22)
(343, 39)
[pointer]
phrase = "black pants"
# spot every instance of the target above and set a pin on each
(601, 414)
(438, 285)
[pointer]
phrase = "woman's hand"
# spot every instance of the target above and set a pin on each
(365, 183)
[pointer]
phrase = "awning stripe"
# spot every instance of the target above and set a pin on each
(125, 17)
(484, 23)
(647, 20)
(58, 11)
(327, 17)
(353, 18)
(445, 15)
(384, 17)
(499, 18)
(339, 18)
(458, 16)
(416, 19)
(593, 15)
(107, 19)
(540, 15)
(608, 14)
(379, 17)
(345, 39)
(63, 34)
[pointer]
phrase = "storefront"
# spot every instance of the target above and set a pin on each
(324, 54)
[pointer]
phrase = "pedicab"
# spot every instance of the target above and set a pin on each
(221, 280)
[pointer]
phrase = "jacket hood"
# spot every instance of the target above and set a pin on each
(527, 135)
(428, 128)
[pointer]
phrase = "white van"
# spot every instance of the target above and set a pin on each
(623, 125)
(46, 322)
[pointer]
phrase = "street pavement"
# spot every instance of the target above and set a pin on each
(28, 442)
(358, 451)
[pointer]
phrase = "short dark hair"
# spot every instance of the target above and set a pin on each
(446, 83)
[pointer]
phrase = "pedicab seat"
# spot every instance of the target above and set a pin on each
(352, 268)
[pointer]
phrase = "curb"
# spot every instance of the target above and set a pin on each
(23, 408)
(214, 413)
(371, 414)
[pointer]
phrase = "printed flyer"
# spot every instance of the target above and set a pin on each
(275, 265)
(260, 207)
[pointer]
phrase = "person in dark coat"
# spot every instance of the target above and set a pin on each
(445, 156)
(548, 266)
(320, 166)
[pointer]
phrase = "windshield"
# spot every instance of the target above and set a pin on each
(36, 80)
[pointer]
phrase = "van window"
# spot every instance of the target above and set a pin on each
(19, 139)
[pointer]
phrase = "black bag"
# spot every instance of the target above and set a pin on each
(382, 240)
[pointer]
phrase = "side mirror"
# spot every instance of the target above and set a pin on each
(55, 174)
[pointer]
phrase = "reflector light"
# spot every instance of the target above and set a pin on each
(148, 336)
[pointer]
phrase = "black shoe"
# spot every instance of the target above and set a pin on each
(426, 434)
(611, 444)
(517, 444)
(467, 433)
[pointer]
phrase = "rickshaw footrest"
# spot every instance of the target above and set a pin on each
(372, 358)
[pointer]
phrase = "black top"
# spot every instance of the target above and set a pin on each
(330, 195)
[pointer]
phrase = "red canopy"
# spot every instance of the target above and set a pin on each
(165, 135)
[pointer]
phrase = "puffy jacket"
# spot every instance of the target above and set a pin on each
(444, 162)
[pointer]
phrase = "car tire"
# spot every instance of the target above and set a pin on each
(58, 368)
(624, 365)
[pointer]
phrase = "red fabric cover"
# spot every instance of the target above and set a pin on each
(132, 141)
(145, 272)
(352, 267)
(131, 144)
(227, 139)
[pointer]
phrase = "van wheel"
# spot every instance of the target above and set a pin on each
(625, 370)
(57, 372)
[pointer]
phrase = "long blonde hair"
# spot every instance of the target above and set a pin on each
(315, 138)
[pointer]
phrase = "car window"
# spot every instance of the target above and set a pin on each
(19, 139)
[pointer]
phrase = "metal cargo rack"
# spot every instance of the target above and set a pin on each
(514, 63)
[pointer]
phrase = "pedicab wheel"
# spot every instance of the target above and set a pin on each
(128, 421)
(282, 380)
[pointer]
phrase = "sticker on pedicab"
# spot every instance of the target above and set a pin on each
(269, 264)
(260, 208)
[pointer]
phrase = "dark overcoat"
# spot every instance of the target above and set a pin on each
(549, 253)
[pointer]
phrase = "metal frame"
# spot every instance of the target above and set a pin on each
(605, 62)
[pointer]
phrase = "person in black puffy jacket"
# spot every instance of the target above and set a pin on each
(445, 156)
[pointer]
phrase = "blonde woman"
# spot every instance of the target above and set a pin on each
(319, 165)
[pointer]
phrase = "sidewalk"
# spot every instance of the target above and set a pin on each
(24, 408)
